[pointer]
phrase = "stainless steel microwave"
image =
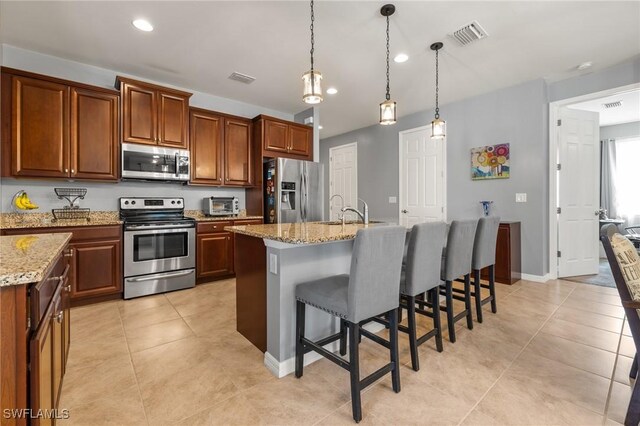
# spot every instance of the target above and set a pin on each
(221, 206)
(148, 162)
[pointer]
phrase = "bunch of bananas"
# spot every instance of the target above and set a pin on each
(23, 243)
(23, 202)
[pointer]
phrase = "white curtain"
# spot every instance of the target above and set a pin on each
(627, 180)
(608, 177)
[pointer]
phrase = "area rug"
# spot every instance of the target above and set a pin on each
(604, 277)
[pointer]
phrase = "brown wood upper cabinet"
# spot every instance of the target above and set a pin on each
(56, 129)
(221, 151)
(154, 115)
(280, 138)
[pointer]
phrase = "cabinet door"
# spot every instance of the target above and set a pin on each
(214, 255)
(41, 375)
(39, 128)
(173, 120)
(275, 136)
(94, 134)
(57, 336)
(237, 152)
(206, 138)
(96, 268)
(301, 141)
(139, 114)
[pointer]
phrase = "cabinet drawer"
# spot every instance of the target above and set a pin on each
(209, 227)
(247, 222)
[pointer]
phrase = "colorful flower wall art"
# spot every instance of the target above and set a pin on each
(490, 162)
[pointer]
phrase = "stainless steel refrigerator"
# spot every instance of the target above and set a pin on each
(293, 191)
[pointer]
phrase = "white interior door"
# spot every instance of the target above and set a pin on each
(422, 177)
(578, 192)
(343, 179)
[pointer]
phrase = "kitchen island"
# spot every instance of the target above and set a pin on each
(277, 257)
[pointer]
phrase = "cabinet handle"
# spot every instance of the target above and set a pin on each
(66, 170)
(59, 316)
(68, 288)
(69, 253)
(73, 172)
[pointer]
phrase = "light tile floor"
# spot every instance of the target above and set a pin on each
(555, 353)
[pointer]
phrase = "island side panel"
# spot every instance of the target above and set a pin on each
(297, 264)
(251, 289)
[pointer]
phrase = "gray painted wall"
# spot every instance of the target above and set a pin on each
(104, 196)
(619, 131)
(516, 115)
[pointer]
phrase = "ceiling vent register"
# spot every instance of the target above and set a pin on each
(615, 104)
(469, 33)
(242, 78)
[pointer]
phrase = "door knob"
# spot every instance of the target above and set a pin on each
(405, 211)
(597, 212)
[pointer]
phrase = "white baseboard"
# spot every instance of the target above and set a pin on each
(536, 278)
(286, 367)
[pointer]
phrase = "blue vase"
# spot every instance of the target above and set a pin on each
(486, 206)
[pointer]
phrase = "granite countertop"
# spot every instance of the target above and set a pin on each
(24, 259)
(45, 220)
(302, 233)
(199, 216)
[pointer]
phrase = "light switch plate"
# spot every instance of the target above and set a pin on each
(273, 263)
(521, 197)
(393, 200)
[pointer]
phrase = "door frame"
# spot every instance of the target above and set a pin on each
(354, 144)
(444, 170)
(554, 112)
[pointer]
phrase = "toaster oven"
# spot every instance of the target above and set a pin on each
(221, 206)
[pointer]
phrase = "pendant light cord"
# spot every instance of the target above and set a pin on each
(388, 90)
(437, 89)
(312, 39)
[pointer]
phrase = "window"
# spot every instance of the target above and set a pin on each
(627, 176)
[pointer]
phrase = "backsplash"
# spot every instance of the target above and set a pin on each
(104, 196)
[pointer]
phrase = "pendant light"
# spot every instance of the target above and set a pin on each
(388, 107)
(312, 92)
(438, 126)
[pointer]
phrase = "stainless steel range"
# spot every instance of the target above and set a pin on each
(159, 246)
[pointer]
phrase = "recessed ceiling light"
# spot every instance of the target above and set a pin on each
(585, 65)
(143, 25)
(401, 57)
(332, 91)
(319, 127)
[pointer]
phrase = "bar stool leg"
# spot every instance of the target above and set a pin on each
(478, 291)
(449, 303)
(467, 300)
(633, 373)
(343, 337)
(300, 308)
(437, 324)
(395, 358)
(492, 287)
(354, 370)
(413, 343)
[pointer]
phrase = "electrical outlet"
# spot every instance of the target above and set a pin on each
(393, 200)
(521, 197)
(273, 263)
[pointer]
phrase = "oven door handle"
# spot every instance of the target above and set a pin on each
(152, 227)
(161, 276)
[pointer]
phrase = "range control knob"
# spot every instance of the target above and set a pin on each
(179, 201)
(173, 201)
(133, 202)
(126, 202)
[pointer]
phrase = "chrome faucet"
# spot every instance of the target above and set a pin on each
(341, 205)
(364, 215)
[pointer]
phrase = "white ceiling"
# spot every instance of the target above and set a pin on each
(197, 45)
(627, 113)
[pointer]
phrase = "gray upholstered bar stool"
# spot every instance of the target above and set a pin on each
(456, 263)
(370, 289)
(484, 256)
(421, 275)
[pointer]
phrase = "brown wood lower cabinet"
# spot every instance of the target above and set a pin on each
(215, 249)
(96, 261)
(508, 255)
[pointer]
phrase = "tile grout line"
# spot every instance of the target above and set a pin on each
(613, 375)
(515, 358)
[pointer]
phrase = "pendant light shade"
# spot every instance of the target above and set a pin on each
(388, 112)
(438, 125)
(312, 80)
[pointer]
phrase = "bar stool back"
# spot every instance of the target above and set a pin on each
(370, 289)
(484, 255)
(456, 263)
